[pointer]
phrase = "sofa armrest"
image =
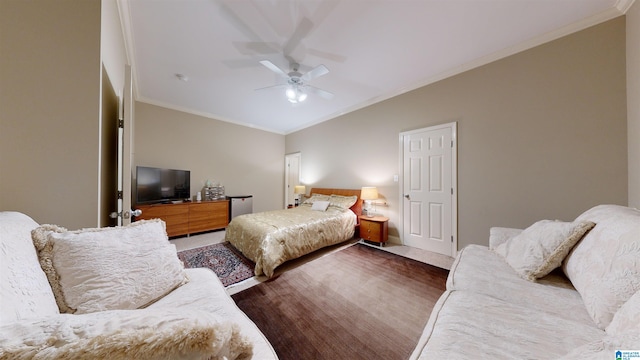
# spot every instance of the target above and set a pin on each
(499, 235)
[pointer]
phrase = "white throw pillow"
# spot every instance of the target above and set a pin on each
(115, 268)
(320, 205)
(156, 333)
(25, 292)
(541, 247)
(604, 266)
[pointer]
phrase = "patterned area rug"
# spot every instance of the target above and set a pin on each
(227, 262)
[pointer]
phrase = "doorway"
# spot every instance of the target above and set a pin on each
(429, 189)
(291, 178)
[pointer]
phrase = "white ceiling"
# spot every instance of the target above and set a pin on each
(374, 49)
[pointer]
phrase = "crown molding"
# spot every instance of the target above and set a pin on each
(624, 5)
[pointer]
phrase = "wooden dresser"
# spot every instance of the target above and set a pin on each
(189, 217)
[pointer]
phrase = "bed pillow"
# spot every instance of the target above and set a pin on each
(343, 202)
(541, 247)
(320, 205)
(113, 268)
(316, 197)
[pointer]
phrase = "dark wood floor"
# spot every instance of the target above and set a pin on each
(357, 303)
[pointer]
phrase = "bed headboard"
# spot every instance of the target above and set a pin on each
(356, 208)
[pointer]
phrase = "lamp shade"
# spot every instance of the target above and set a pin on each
(299, 189)
(369, 193)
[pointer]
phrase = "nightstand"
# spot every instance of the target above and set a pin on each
(374, 229)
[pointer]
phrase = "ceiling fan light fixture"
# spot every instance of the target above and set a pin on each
(295, 94)
(291, 94)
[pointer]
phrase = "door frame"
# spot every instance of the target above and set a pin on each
(454, 181)
(127, 115)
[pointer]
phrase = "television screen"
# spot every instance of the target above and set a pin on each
(155, 185)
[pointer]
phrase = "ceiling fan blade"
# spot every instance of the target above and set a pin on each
(235, 20)
(327, 55)
(322, 93)
(269, 65)
(256, 47)
(240, 63)
(302, 30)
(315, 72)
(279, 86)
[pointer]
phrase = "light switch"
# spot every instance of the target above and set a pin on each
(395, 178)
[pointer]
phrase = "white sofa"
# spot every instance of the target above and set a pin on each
(588, 308)
(194, 319)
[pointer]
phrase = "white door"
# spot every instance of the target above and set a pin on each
(292, 178)
(428, 189)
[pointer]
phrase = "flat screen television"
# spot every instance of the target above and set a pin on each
(156, 185)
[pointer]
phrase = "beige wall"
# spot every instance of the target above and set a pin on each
(541, 134)
(113, 51)
(49, 110)
(633, 102)
(245, 160)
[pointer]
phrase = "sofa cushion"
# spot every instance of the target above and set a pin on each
(468, 325)
(480, 270)
(24, 290)
(609, 347)
(542, 246)
(109, 268)
(604, 266)
(205, 292)
(627, 319)
(123, 334)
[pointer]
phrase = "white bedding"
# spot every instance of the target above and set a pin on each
(270, 238)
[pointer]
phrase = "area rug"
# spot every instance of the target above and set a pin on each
(228, 263)
(356, 303)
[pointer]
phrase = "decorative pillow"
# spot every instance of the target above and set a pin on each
(316, 197)
(343, 202)
(541, 247)
(122, 334)
(627, 318)
(604, 266)
(320, 205)
(499, 235)
(108, 268)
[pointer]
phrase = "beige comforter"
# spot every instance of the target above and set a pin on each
(270, 238)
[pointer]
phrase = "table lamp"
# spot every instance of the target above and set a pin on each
(299, 189)
(368, 193)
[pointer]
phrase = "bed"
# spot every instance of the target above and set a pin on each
(270, 238)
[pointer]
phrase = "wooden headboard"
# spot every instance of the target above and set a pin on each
(356, 208)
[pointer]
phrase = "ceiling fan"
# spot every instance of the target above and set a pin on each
(297, 86)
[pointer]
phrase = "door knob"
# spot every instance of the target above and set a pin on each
(136, 212)
(407, 196)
